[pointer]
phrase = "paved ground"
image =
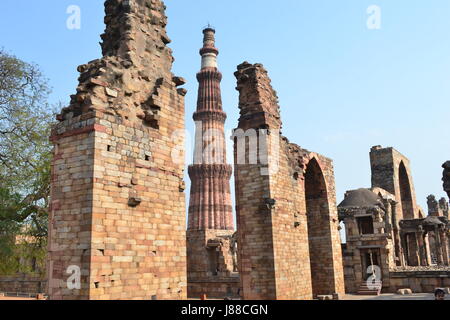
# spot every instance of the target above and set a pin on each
(417, 296)
(15, 298)
(422, 296)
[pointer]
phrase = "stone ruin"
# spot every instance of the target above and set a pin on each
(117, 215)
(289, 243)
(385, 227)
(117, 226)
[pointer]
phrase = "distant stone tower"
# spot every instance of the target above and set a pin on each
(391, 171)
(117, 219)
(211, 227)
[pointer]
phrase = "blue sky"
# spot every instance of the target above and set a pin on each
(343, 88)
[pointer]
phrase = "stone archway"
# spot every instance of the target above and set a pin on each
(319, 231)
(405, 192)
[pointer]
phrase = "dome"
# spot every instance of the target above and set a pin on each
(432, 220)
(360, 198)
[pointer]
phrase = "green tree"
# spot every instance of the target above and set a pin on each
(25, 155)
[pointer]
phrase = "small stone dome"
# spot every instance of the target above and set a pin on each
(432, 220)
(363, 198)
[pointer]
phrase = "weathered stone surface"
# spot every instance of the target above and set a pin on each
(443, 205)
(367, 215)
(391, 172)
(22, 283)
(117, 210)
(289, 244)
(388, 230)
(446, 177)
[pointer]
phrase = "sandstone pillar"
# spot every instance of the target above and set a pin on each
(421, 249)
(438, 246)
(405, 249)
(427, 248)
(117, 219)
(444, 246)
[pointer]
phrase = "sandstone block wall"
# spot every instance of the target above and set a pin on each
(212, 263)
(418, 282)
(285, 202)
(24, 284)
(391, 171)
(117, 198)
(215, 288)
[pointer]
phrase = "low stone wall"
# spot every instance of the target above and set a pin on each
(23, 284)
(218, 288)
(419, 281)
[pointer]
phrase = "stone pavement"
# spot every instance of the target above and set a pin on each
(417, 296)
(15, 298)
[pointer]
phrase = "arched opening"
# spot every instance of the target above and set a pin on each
(319, 232)
(405, 193)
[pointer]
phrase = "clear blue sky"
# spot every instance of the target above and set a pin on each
(342, 87)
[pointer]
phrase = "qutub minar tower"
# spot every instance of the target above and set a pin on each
(210, 241)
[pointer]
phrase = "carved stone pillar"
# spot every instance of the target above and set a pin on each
(444, 246)
(399, 252)
(387, 217)
(413, 250)
(421, 247)
(438, 247)
(404, 249)
(427, 248)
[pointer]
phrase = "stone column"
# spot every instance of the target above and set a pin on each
(438, 247)
(413, 250)
(404, 249)
(387, 218)
(444, 247)
(421, 247)
(427, 248)
(396, 236)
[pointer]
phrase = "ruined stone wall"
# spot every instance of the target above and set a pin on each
(355, 269)
(117, 198)
(256, 256)
(24, 284)
(418, 281)
(215, 288)
(271, 203)
(212, 264)
(391, 171)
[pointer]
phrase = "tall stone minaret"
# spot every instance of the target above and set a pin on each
(210, 203)
(210, 235)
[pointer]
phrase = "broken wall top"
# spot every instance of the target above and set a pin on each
(136, 63)
(435, 208)
(258, 101)
(446, 177)
(259, 109)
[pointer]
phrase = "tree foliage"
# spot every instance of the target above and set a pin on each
(25, 155)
